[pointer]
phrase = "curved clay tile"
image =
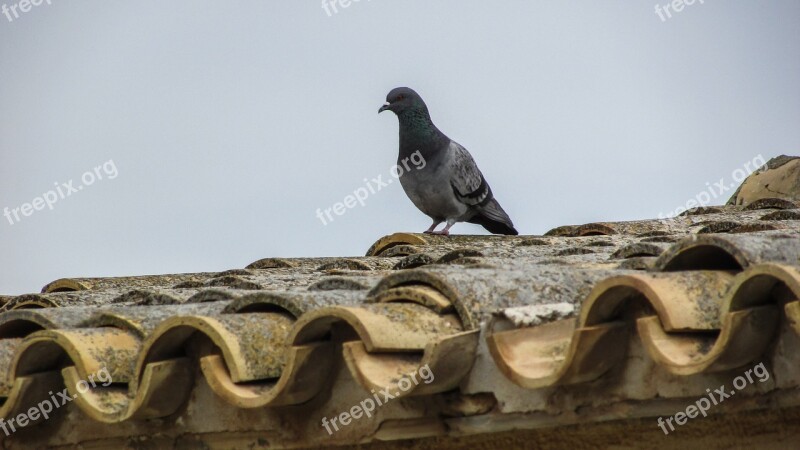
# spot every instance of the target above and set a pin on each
(585, 348)
(66, 285)
(572, 251)
(339, 283)
(701, 211)
(242, 348)
(156, 297)
(749, 320)
(271, 263)
(392, 240)
(88, 350)
(16, 325)
(400, 250)
(30, 301)
(252, 346)
(558, 352)
(63, 299)
(422, 295)
(22, 322)
(410, 243)
(476, 293)
(449, 357)
(125, 283)
(689, 323)
(414, 261)
(635, 227)
(296, 303)
(639, 249)
(786, 214)
(344, 264)
(755, 227)
(771, 203)
(729, 251)
(458, 254)
(394, 340)
(305, 374)
(637, 263)
(322, 264)
(143, 320)
(233, 282)
(718, 227)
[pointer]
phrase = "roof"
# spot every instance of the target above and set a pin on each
(588, 324)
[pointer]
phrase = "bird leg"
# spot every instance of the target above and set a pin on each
(445, 231)
(432, 227)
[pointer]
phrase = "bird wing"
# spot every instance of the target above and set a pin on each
(466, 179)
(471, 188)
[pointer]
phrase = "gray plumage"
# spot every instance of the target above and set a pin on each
(448, 187)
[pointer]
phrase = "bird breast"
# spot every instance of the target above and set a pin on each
(430, 190)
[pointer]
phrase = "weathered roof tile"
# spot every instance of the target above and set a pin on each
(529, 326)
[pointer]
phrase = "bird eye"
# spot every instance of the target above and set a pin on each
(399, 97)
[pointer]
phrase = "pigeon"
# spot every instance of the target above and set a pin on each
(448, 187)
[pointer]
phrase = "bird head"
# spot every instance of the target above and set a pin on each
(402, 99)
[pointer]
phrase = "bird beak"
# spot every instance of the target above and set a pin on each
(384, 107)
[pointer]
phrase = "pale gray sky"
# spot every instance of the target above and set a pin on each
(230, 123)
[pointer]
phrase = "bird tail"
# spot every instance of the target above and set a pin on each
(492, 217)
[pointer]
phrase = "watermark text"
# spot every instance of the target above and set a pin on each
(367, 406)
(60, 192)
(703, 404)
(360, 195)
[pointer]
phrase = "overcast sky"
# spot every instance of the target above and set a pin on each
(219, 128)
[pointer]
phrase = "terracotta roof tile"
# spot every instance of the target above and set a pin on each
(585, 317)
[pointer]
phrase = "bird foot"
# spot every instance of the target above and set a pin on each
(440, 233)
